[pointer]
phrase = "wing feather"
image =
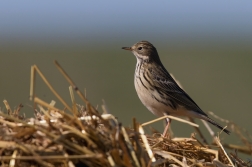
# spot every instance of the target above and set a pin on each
(164, 82)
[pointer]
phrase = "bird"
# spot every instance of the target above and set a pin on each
(157, 89)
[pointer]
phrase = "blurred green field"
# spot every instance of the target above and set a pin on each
(217, 75)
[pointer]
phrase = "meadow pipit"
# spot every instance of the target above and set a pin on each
(158, 91)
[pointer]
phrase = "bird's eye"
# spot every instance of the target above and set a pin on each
(140, 48)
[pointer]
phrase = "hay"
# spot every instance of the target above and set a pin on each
(87, 138)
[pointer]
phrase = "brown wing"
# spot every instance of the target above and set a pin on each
(164, 83)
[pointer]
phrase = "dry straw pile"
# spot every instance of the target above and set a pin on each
(87, 138)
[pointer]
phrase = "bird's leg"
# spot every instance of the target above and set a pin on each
(168, 122)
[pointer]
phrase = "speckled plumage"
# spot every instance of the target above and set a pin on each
(157, 89)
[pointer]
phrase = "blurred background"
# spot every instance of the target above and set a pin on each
(207, 46)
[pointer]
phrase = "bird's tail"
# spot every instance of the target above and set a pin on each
(217, 125)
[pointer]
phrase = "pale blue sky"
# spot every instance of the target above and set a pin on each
(75, 19)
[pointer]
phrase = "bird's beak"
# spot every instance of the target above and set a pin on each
(127, 48)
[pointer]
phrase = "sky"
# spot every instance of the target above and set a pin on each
(90, 19)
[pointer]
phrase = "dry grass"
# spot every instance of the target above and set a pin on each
(87, 138)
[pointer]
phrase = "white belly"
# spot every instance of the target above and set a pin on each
(146, 97)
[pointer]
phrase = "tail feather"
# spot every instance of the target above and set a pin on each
(217, 125)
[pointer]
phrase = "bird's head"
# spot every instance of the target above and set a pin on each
(143, 51)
